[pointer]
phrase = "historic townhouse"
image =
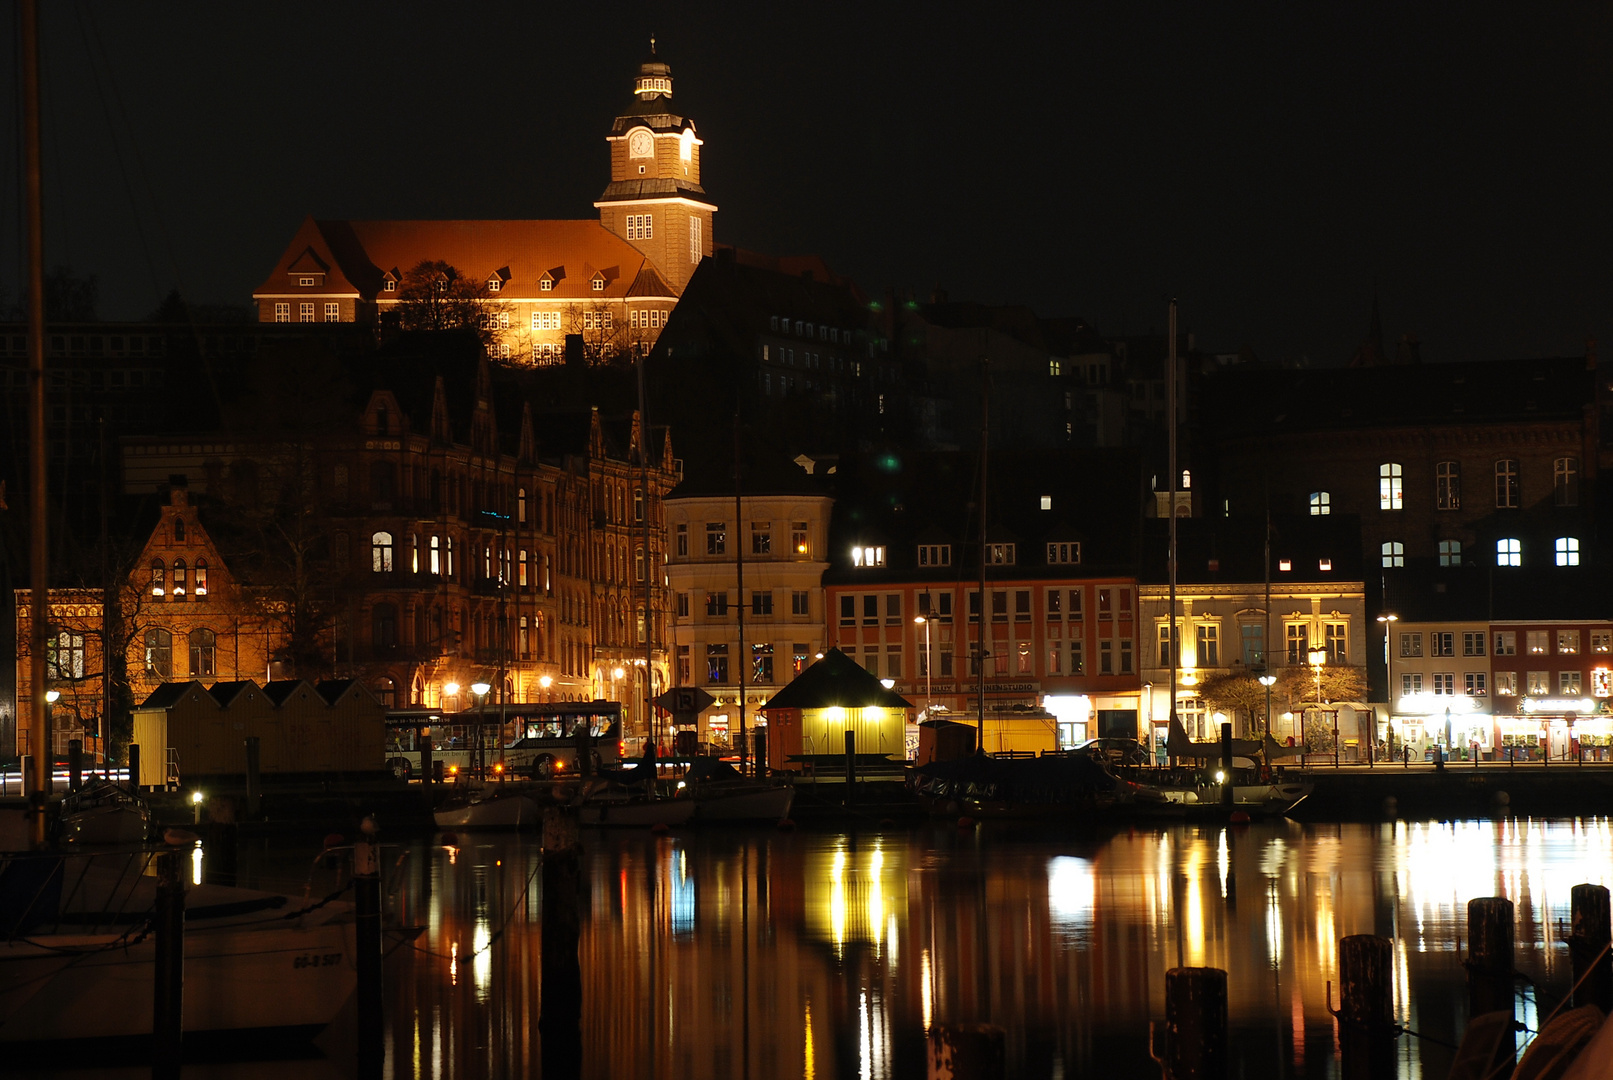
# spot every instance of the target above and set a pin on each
(607, 285)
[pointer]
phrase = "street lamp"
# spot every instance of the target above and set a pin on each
(1318, 657)
(1268, 681)
(928, 702)
(1389, 661)
(480, 689)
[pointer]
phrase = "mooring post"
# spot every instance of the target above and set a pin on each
(851, 762)
(560, 1022)
(1195, 1024)
(1588, 946)
(967, 1052)
(1490, 971)
(367, 943)
(426, 764)
(134, 767)
(75, 764)
(254, 779)
(26, 762)
(1227, 782)
(168, 972)
(1367, 1007)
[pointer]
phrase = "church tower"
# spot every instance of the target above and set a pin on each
(654, 200)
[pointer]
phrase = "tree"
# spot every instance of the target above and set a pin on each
(1237, 691)
(434, 296)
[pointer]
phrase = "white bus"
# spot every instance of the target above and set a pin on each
(542, 739)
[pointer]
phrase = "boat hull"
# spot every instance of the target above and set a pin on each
(637, 813)
(761, 804)
(503, 812)
(106, 825)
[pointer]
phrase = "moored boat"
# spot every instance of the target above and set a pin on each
(104, 813)
(723, 795)
(488, 809)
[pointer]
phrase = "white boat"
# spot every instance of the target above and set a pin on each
(489, 809)
(628, 810)
(102, 813)
(84, 969)
(1262, 798)
(721, 794)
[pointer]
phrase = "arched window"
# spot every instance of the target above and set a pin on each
(1565, 481)
(159, 578)
(1390, 493)
(436, 555)
(1394, 553)
(520, 505)
(1448, 485)
(1506, 484)
(1321, 503)
(203, 652)
(1567, 551)
(450, 556)
(1508, 552)
(523, 641)
(414, 553)
(381, 553)
(1450, 553)
(201, 579)
(179, 530)
(179, 579)
(384, 627)
(159, 653)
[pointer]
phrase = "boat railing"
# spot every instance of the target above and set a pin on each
(171, 769)
(52, 893)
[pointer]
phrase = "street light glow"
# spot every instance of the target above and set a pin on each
(450, 688)
(52, 696)
(480, 688)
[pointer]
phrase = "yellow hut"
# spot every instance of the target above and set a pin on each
(811, 717)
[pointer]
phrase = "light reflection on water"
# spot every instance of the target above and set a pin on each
(761, 954)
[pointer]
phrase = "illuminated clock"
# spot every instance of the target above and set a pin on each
(639, 143)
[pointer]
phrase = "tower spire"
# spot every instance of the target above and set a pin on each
(652, 44)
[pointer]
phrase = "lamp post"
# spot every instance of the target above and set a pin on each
(1388, 621)
(1318, 657)
(1268, 681)
(480, 689)
(929, 703)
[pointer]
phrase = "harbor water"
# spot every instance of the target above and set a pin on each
(829, 956)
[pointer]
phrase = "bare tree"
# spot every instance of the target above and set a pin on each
(435, 296)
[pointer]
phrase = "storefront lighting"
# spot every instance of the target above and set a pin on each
(1436, 704)
(1562, 705)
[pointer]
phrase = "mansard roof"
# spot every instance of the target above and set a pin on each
(361, 254)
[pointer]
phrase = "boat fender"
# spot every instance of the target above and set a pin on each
(786, 825)
(1240, 817)
(660, 828)
(180, 838)
(450, 839)
(334, 840)
(966, 822)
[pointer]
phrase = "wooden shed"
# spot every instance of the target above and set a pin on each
(810, 717)
(356, 739)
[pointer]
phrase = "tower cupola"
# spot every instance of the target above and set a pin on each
(654, 77)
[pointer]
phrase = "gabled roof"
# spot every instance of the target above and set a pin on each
(169, 694)
(836, 680)
(333, 690)
(280, 690)
(226, 692)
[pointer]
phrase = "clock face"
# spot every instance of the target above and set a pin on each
(639, 143)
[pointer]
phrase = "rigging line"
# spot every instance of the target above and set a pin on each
(62, 222)
(96, 63)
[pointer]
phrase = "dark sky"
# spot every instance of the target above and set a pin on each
(1266, 163)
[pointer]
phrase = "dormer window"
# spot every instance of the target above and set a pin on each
(389, 286)
(546, 285)
(494, 284)
(1064, 554)
(935, 554)
(305, 281)
(599, 284)
(1000, 554)
(868, 556)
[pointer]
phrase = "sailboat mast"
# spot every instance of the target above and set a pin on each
(1171, 633)
(39, 734)
(980, 626)
(741, 668)
(651, 716)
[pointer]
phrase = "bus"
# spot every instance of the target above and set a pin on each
(542, 739)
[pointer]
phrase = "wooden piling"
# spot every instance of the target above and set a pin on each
(134, 767)
(1490, 971)
(254, 778)
(851, 762)
(1195, 1024)
(168, 971)
(367, 942)
(560, 1021)
(1588, 947)
(1227, 782)
(426, 763)
(1366, 1007)
(75, 764)
(967, 1052)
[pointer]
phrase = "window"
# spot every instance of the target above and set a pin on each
(848, 611)
(1568, 642)
(1411, 682)
(935, 554)
(546, 285)
(870, 660)
(1537, 642)
(1338, 643)
(546, 320)
(761, 602)
(435, 554)
(717, 663)
(179, 580)
(1568, 683)
(333, 313)
(761, 538)
(282, 312)
(1076, 604)
(1473, 643)
(1448, 485)
(1209, 645)
(1444, 683)
(716, 538)
(1506, 484)
(868, 556)
(999, 605)
(798, 538)
(1411, 644)
(305, 312)
(696, 246)
(64, 656)
(893, 609)
(798, 657)
(1164, 649)
(681, 544)
(638, 504)
(1539, 682)
(1254, 644)
(1506, 683)
(159, 653)
(683, 605)
(203, 652)
(1064, 554)
(159, 577)
(381, 553)
(1508, 552)
(1450, 553)
(717, 604)
(1394, 553)
(1567, 551)
(800, 602)
(1298, 642)
(1601, 641)
(684, 674)
(201, 578)
(640, 227)
(1565, 481)
(1390, 479)
(1022, 605)
(1473, 683)
(1506, 643)
(391, 285)
(1054, 368)
(1321, 503)
(893, 661)
(1442, 643)
(1000, 554)
(1077, 659)
(1106, 664)
(599, 286)
(761, 662)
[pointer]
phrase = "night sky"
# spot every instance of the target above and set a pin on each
(1266, 163)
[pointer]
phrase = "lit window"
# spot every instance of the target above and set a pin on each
(1448, 485)
(640, 227)
(1506, 484)
(696, 245)
(1054, 366)
(1285, 565)
(159, 576)
(546, 285)
(1000, 554)
(1324, 565)
(1508, 552)
(1390, 479)
(1450, 553)
(494, 284)
(1568, 551)
(381, 553)
(1047, 502)
(1394, 553)
(599, 284)
(333, 313)
(868, 556)
(1321, 503)
(201, 578)
(305, 312)
(389, 286)
(282, 313)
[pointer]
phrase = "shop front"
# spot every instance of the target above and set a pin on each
(1453, 725)
(1558, 729)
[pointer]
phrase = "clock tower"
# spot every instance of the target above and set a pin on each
(654, 200)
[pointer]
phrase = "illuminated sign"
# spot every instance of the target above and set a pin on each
(1601, 682)
(1559, 705)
